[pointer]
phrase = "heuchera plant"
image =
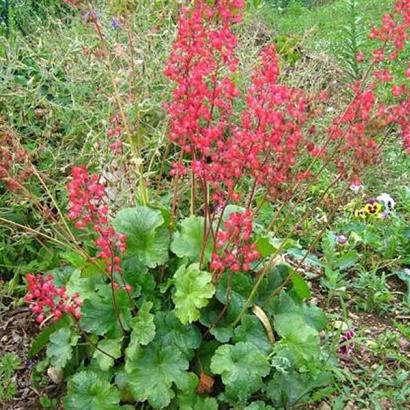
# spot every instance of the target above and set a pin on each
(189, 312)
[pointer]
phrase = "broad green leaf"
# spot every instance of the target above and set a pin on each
(242, 367)
(252, 331)
(74, 258)
(110, 346)
(84, 286)
(194, 288)
(99, 316)
(288, 388)
(93, 269)
(170, 331)
(273, 279)
(143, 329)
(300, 286)
(60, 347)
(312, 315)
(292, 326)
(42, 339)
(264, 246)
(147, 237)
(87, 391)
(188, 399)
(240, 289)
(61, 275)
(219, 326)
(187, 241)
(154, 371)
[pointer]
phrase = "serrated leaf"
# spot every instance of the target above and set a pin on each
(143, 329)
(194, 288)
(286, 389)
(242, 367)
(99, 315)
(84, 286)
(110, 346)
(42, 338)
(187, 241)
(170, 331)
(240, 289)
(154, 371)
(251, 331)
(60, 347)
(312, 315)
(87, 391)
(147, 237)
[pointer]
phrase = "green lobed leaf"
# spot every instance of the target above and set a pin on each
(240, 289)
(60, 347)
(242, 367)
(252, 331)
(288, 388)
(187, 241)
(194, 288)
(87, 391)
(170, 331)
(110, 346)
(99, 315)
(143, 329)
(42, 338)
(147, 237)
(153, 372)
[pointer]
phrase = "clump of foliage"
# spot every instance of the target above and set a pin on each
(9, 363)
(185, 300)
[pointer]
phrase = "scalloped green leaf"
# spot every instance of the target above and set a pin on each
(99, 316)
(110, 346)
(154, 371)
(242, 367)
(143, 328)
(60, 347)
(187, 241)
(170, 331)
(147, 237)
(194, 288)
(252, 331)
(86, 390)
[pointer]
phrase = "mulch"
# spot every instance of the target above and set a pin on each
(17, 332)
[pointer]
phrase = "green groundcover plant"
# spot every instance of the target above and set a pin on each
(182, 297)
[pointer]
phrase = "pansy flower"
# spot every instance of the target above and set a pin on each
(360, 213)
(387, 201)
(373, 207)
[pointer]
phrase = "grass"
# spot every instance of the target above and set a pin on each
(321, 26)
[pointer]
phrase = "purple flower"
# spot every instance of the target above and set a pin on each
(341, 239)
(346, 342)
(384, 214)
(116, 23)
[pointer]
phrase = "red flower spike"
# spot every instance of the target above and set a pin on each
(47, 300)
